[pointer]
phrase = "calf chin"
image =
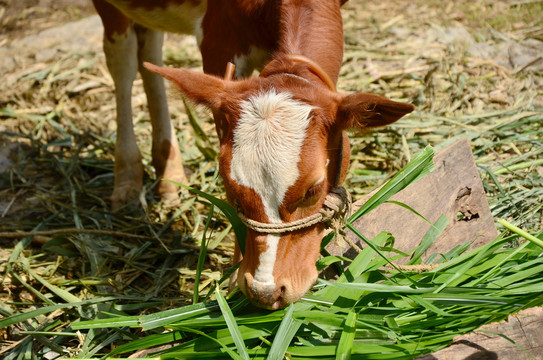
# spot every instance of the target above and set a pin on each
(286, 289)
(273, 296)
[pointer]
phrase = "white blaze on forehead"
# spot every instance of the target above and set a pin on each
(266, 147)
(266, 150)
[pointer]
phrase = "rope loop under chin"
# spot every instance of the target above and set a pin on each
(336, 208)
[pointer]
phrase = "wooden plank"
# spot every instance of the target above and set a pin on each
(454, 189)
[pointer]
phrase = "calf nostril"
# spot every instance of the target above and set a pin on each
(277, 302)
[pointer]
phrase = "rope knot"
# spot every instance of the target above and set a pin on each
(336, 209)
(337, 204)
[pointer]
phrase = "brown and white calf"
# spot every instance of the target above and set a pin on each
(283, 145)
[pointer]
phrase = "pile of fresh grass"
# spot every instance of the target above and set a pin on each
(365, 314)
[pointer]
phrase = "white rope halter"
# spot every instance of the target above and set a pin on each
(336, 207)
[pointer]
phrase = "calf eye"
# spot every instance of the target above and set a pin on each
(310, 192)
(314, 190)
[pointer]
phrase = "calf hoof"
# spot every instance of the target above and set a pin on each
(124, 194)
(169, 192)
(169, 167)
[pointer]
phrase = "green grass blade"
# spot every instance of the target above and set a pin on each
(232, 325)
(429, 238)
(164, 318)
(149, 341)
(521, 232)
(378, 287)
(212, 339)
(369, 243)
(521, 165)
(345, 344)
(427, 305)
(44, 299)
(476, 256)
(320, 317)
(23, 244)
(360, 262)
(407, 207)
(358, 266)
(113, 322)
(288, 328)
(499, 266)
(152, 321)
(202, 256)
(518, 276)
(421, 165)
(63, 294)
(363, 260)
(16, 318)
(468, 297)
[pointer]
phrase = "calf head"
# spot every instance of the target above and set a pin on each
(283, 147)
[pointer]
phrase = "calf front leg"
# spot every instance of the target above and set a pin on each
(120, 48)
(166, 156)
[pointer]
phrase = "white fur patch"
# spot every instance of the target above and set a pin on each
(266, 150)
(264, 273)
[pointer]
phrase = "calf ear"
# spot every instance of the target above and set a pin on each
(367, 111)
(200, 88)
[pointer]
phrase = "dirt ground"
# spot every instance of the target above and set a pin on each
(20, 18)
